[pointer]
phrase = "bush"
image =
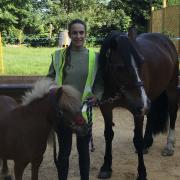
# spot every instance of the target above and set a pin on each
(42, 40)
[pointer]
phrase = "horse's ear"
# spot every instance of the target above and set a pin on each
(114, 42)
(132, 33)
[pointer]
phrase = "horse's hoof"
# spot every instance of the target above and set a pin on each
(141, 178)
(138, 178)
(167, 152)
(105, 174)
(7, 178)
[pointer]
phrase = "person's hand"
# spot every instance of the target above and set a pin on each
(93, 100)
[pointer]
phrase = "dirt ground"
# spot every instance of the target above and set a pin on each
(124, 158)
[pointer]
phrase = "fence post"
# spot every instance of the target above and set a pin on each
(164, 3)
(1, 57)
(179, 34)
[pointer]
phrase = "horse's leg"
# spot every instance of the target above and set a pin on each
(19, 167)
(106, 170)
(4, 166)
(138, 143)
(173, 108)
(148, 135)
(5, 170)
(35, 168)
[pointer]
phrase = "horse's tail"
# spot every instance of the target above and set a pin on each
(158, 114)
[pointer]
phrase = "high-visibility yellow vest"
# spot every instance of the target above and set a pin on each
(58, 63)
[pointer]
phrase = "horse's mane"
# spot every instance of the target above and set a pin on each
(40, 89)
(126, 47)
(105, 47)
(70, 98)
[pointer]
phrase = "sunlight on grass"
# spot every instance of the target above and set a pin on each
(26, 61)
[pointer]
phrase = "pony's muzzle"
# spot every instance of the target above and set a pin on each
(81, 127)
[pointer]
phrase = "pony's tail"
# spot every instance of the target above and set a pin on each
(158, 114)
(52, 143)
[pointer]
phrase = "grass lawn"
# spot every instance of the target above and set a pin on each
(24, 61)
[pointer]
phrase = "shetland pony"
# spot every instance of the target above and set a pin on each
(25, 128)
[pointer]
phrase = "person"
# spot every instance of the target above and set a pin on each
(77, 66)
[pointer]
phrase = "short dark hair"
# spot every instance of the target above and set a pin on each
(76, 21)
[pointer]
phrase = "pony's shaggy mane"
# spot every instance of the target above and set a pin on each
(70, 99)
(40, 89)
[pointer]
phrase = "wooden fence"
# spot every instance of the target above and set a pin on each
(167, 21)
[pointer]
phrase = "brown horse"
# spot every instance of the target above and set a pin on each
(141, 74)
(24, 129)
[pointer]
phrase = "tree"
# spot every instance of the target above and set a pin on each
(138, 10)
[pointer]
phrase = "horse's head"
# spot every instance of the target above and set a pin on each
(123, 66)
(68, 110)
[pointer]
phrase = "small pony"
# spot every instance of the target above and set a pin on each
(141, 74)
(24, 129)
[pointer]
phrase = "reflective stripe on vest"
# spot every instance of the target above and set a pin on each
(58, 62)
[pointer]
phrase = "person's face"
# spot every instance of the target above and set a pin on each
(77, 34)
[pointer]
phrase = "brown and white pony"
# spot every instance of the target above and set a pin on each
(24, 129)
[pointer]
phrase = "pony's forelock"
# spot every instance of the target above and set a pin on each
(41, 88)
(70, 98)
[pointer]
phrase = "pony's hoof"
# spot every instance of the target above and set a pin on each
(167, 152)
(105, 174)
(7, 178)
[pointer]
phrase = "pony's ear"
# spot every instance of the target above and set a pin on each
(59, 92)
(132, 33)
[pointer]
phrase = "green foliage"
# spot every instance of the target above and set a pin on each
(40, 40)
(173, 2)
(13, 36)
(23, 18)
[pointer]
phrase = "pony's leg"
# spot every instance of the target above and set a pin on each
(173, 108)
(35, 168)
(19, 167)
(106, 170)
(138, 143)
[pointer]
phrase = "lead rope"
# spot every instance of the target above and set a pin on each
(90, 123)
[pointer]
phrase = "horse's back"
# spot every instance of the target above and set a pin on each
(157, 43)
(160, 69)
(7, 104)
